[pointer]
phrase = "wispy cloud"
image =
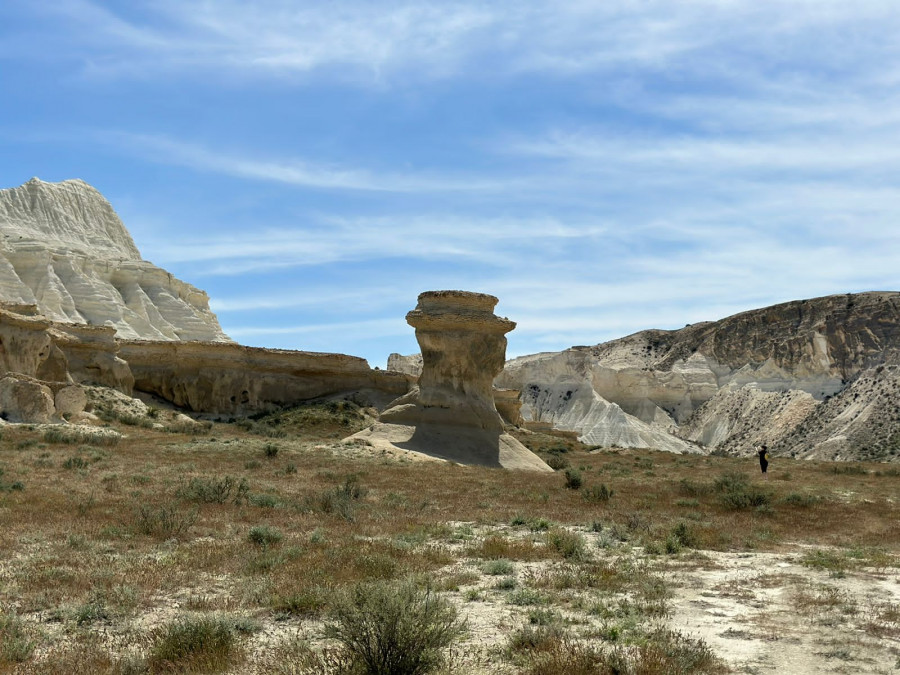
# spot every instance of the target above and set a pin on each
(439, 39)
(494, 242)
(291, 171)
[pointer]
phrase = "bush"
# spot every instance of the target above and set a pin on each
(340, 501)
(264, 501)
(263, 535)
(216, 490)
(801, 500)
(498, 567)
(201, 643)
(736, 492)
(75, 463)
(164, 521)
(597, 493)
(569, 545)
(684, 534)
(747, 498)
(393, 628)
(15, 647)
(573, 479)
(541, 637)
(270, 450)
(556, 462)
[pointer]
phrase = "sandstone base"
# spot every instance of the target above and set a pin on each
(454, 444)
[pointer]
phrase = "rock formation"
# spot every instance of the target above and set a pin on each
(450, 413)
(410, 365)
(235, 380)
(64, 250)
(35, 384)
(782, 375)
(79, 306)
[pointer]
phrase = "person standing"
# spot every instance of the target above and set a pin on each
(763, 461)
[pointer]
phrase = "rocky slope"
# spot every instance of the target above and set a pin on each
(64, 250)
(811, 378)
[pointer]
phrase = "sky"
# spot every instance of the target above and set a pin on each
(602, 167)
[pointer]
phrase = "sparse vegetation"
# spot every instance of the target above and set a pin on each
(196, 644)
(393, 628)
(185, 516)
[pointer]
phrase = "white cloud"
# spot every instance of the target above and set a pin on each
(291, 171)
(416, 39)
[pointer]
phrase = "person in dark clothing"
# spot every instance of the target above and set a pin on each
(763, 461)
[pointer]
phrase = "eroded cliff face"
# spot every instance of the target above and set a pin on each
(779, 375)
(64, 250)
(234, 380)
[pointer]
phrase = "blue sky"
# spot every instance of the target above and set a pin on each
(602, 167)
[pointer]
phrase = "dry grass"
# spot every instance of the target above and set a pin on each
(106, 545)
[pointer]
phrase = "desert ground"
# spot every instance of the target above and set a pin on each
(153, 544)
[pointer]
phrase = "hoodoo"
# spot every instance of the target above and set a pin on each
(451, 414)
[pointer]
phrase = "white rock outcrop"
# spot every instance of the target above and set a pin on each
(812, 378)
(64, 250)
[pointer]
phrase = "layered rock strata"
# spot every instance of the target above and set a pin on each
(234, 380)
(64, 250)
(450, 413)
(35, 384)
(781, 375)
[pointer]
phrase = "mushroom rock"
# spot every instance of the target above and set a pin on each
(450, 414)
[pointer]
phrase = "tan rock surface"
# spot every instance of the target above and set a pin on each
(450, 414)
(232, 379)
(24, 399)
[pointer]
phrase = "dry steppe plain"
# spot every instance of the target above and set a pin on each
(226, 547)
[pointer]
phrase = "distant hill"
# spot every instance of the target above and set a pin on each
(810, 378)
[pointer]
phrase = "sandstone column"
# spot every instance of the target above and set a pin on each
(463, 349)
(450, 413)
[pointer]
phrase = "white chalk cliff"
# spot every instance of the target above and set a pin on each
(810, 378)
(64, 249)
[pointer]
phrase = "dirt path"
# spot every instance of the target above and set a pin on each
(767, 613)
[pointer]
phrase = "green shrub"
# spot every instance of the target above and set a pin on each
(215, 490)
(75, 463)
(498, 567)
(691, 489)
(534, 638)
(731, 482)
(263, 535)
(506, 584)
(340, 501)
(264, 501)
(270, 450)
(304, 602)
(573, 479)
(393, 628)
(15, 645)
(685, 535)
(195, 643)
(164, 521)
(90, 612)
(747, 497)
(597, 493)
(849, 469)
(800, 500)
(673, 545)
(569, 545)
(556, 462)
(540, 525)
